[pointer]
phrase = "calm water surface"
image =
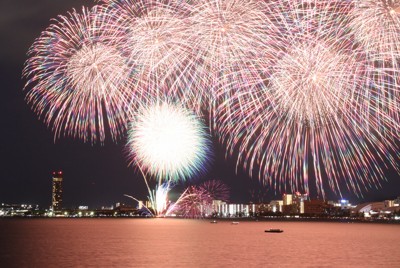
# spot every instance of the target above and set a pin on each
(195, 243)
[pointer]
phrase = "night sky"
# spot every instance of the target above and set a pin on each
(94, 175)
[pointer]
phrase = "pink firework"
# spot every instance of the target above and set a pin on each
(216, 189)
(155, 42)
(228, 37)
(314, 112)
(197, 201)
(193, 203)
(375, 26)
(77, 79)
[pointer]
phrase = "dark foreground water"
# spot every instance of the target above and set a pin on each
(195, 243)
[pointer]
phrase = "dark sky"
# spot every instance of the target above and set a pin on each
(93, 175)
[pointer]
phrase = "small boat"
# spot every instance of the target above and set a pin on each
(274, 231)
(235, 223)
(214, 221)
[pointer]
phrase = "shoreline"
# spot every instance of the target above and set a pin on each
(257, 219)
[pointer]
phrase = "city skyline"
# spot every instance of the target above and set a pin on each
(92, 173)
(211, 200)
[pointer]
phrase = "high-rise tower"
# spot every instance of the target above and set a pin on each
(57, 189)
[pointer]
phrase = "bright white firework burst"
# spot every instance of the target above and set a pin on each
(169, 142)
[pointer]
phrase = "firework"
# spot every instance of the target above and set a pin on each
(155, 42)
(158, 199)
(77, 79)
(168, 142)
(197, 201)
(227, 37)
(313, 110)
(294, 88)
(216, 189)
(193, 203)
(375, 25)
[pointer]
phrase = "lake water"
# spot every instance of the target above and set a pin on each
(195, 243)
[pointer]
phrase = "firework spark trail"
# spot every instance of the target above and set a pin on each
(175, 206)
(313, 109)
(157, 197)
(77, 79)
(168, 142)
(161, 197)
(134, 198)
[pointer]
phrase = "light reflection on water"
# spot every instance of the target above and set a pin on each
(195, 243)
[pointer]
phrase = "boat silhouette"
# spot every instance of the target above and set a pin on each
(274, 231)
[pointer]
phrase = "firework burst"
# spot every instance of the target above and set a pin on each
(314, 109)
(226, 38)
(77, 79)
(193, 203)
(197, 201)
(155, 42)
(376, 26)
(216, 189)
(169, 142)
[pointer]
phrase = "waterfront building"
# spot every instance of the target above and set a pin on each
(19, 210)
(57, 191)
(276, 205)
(343, 204)
(315, 207)
(232, 210)
(252, 209)
(122, 209)
(397, 201)
(287, 199)
(299, 199)
(293, 203)
(219, 208)
(375, 209)
(148, 204)
(389, 203)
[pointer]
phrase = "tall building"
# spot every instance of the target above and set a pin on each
(56, 192)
